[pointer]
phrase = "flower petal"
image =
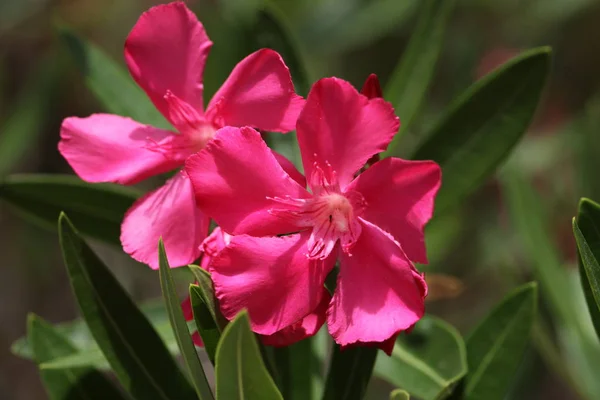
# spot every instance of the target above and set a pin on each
(110, 148)
(169, 212)
(302, 329)
(235, 176)
(271, 277)
(341, 127)
(378, 293)
(167, 50)
(371, 87)
(259, 92)
(290, 168)
(400, 198)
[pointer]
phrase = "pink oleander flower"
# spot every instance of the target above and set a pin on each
(286, 239)
(307, 326)
(166, 52)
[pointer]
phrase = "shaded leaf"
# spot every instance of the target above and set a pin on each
(349, 373)
(65, 384)
(240, 371)
(587, 235)
(410, 80)
(97, 209)
(132, 347)
(207, 327)
(295, 365)
(180, 328)
(428, 362)
(483, 124)
(110, 82)
(496, 347)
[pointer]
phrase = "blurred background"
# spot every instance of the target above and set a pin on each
(512, 230)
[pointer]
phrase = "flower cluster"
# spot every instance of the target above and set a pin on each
(280, 232)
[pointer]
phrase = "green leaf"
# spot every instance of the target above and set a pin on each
(88, 352)
(497, 345)
(205, 285)
(207, 327)
(110, 83)
(240, 371)
(132, 347)
(180, 328)
(295, 365)
(587, 235)
(399, 394)
(65, 384)
(20, 132)
(97, 209)
(428, 363)
(349, 373)
(410, 80)
(484, 124)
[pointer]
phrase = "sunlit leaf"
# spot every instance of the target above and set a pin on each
(399, 394)
(428, 362)
(240, 371)
(180, 328)
(496, 347)
(65, 384)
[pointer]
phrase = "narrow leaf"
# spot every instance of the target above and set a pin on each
(132, 347)
(295, 365)
(180, 328)
(484, 124)
(428, 362)
(207, 326)
(496, 347)
(399, 394)
(349, 373)
(66, 384)
(240, 371)
(97, 209)
(410, 80)
(587, 235)
(205, 286)
(110, 82)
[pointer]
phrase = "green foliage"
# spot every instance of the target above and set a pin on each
(180, 329)
(209, 330)
(410, 80)
(133, 349)
(399, 394)
(23, 127)
(88, 353)
(428, 362)
(587, 235)
(70, 383)
(496, 346)
(240, 371)
(111, 84)
(483, 124)
(349, 372)
(296, 365)
(97, 209)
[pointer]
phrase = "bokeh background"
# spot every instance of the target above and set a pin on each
(514, 228)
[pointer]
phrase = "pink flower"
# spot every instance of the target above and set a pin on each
(287, 239)
(165, 53)
(304, 328)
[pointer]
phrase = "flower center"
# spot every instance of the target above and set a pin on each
(331, 214)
